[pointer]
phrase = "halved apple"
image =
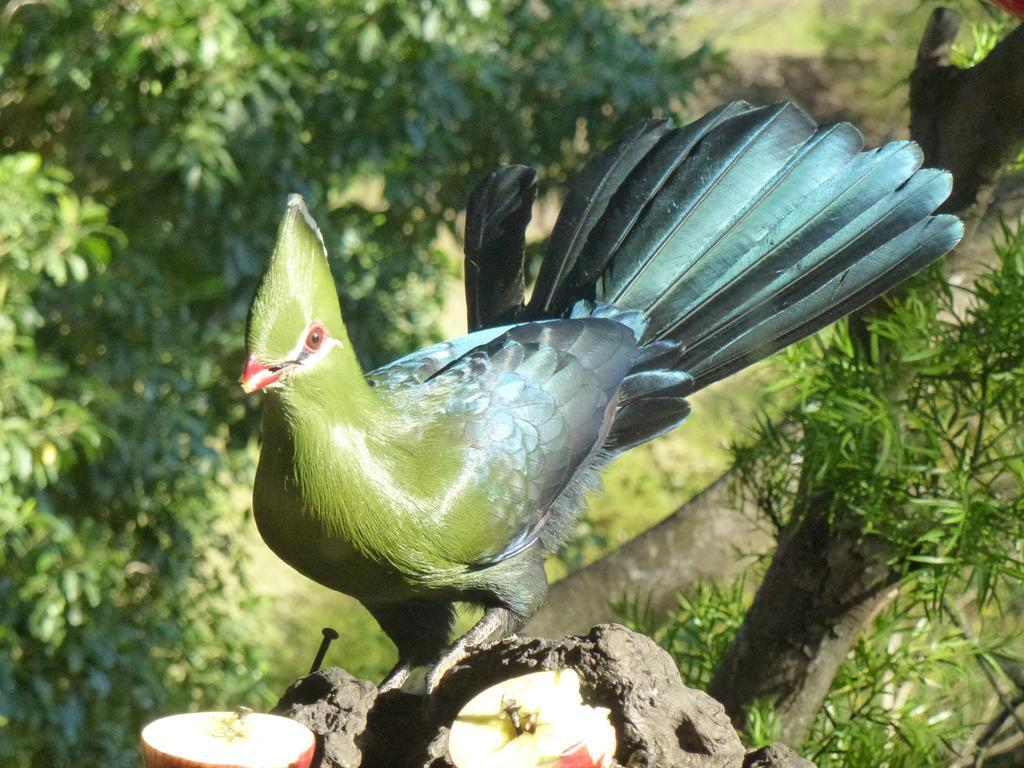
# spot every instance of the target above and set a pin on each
(533, 721)
(239, 739)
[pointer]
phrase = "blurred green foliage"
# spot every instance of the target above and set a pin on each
(215, 111)
(148, 148)
(117, 594)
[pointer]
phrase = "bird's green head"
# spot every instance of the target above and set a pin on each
(295, 323)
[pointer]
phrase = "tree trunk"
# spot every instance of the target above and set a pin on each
(819, 592)
(707, 539)
(968, 121)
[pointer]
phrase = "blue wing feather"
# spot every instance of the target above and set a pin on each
(534, 403)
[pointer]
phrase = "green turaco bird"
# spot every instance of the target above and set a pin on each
(681, 255)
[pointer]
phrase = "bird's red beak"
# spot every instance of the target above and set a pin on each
(256, 375)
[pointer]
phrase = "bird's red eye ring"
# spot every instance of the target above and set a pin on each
(315, 337)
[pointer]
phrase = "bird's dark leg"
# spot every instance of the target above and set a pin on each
(497, 621)
(418, 628)
(513, 600)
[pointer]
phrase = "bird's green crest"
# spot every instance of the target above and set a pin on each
(296, 289)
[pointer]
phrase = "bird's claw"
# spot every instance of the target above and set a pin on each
(445, 663)
(396, 677)
(481, 632)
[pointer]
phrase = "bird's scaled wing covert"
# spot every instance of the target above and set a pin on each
(532, 405)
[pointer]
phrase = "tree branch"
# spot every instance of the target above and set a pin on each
(707, 539)
(968, 121)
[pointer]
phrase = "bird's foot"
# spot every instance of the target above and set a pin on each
(396, 677)
(452, 657)
(491, 622)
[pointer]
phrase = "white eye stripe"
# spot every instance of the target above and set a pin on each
(312, 358)
(299, 350)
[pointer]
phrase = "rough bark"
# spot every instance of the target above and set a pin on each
(776, 756)
(820, 591)
(708, 538)
(658, 720)
(969, 121)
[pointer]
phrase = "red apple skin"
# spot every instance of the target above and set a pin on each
(155, 759)
(1016, 7)
(580, 757)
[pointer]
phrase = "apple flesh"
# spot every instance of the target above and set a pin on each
(227, 740)
(533, 721)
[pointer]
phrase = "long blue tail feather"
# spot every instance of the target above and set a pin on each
(865, 243)
(699, 201)
(605, 201)
(845, 293)
(736, 235)
(496, 219)
(584, 207)
(812, 229)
